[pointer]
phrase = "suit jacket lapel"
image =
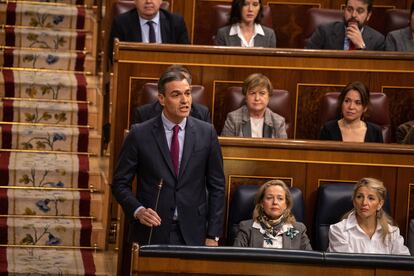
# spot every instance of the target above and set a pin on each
(234, 40)
(246, 128)
(136, 35)
(159, 136)
(165, 28)
(257, 238)
(287, 242)
(339, 37)
(366, 35)
(268, 124)
(189, 141)
(259, 40)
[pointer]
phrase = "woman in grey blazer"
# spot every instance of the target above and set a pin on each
(255, 119)
(273, 224)
(244, 27)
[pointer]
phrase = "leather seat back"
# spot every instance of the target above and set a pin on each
(242, 206)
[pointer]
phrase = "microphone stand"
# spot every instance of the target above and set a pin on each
(156, 207)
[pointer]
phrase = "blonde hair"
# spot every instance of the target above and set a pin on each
(258, 209)
(382, 217)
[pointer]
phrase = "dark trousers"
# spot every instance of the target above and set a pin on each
(176, 237)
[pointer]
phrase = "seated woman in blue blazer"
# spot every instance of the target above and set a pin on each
(244, 27)
(353, 102)
(367, 228)
(273, 224)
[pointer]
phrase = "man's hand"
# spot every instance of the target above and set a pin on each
(148, 217)
(211, 242)
(355, 35)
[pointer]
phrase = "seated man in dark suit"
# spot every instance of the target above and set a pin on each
(352, 33)
(179, 173)
(148, 23)
(148, 111)
(405, 133)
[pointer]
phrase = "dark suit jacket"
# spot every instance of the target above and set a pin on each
(331, 131)
(405, 133)
(332, 36)
(251, 237)
(126, 27)
(145, 154)
(151, 110)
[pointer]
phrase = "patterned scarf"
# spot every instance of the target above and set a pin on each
(271, 226)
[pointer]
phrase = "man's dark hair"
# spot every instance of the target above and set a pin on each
(173, 73)
(368, 2)
(236, 10)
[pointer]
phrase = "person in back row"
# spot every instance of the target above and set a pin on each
(151, 110)
(405, 133)
(352, 33)
(273, 224)
(244, 27)
(353, 102)
(402, 39)
(367, 228)
(148, 23)
(255, 119)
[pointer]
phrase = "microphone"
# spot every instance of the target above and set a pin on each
(156, 207)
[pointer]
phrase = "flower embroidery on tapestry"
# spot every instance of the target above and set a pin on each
(46, 89)
(43, 143)
(34, 236)
(44, 117)
(45, 42)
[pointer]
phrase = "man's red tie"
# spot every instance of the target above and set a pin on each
(351, 45)
(175, 148)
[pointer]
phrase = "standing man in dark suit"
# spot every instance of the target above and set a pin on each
(183, 153)
(148, 23)
(352, 33)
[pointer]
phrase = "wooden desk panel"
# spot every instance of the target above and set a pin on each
(309, 163)
(190, 260)
(306, 74)
(146, 266)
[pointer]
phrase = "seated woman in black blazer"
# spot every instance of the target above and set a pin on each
(273, 224)
(353, 102)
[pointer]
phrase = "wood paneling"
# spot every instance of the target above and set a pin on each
(249, 261)
(289, 21)
(401, 101)
(289, 17)
(306, 74)
(308, 163)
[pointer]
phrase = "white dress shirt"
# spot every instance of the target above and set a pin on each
(235, 30)
(347, 236)
(256, 126)
(168, 128)
(145, 28)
